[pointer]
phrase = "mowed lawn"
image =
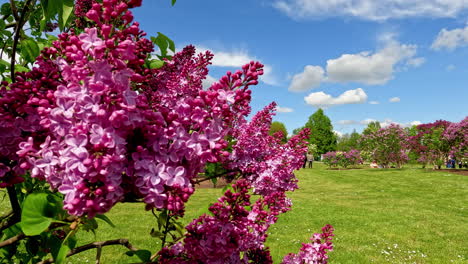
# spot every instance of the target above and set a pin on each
(405, 215)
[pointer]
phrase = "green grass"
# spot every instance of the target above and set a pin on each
(380, 216)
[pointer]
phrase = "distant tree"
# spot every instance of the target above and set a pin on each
(322, 133)
(373, 126)
(348, 142)
(279, 127)
(342, 142)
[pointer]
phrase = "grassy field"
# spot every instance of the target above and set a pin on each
(380, 216)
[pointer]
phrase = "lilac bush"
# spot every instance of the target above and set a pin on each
(342, 159)
(457, 136)
(99, 120)
(388, 146)
(429, 143)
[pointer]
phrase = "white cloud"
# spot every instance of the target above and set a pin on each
(415, 123)
(238, 58)
(338, 133)
(371, 9)
(416, 62)
(373, 102)
(280, 109)
(450, 67)
(347, 122)
(367, 121)
(372, 68)
(394, 100)
(310, 78)
(451, 39)
(323, 100)
(208, 81)
(387, 122)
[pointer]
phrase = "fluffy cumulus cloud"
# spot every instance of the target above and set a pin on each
(323, 100)
(451, 39)
(238, 58)
(281, 109)
(364, 122)
(370, 9)
(394, 100)
(310, 78)
(372, 68)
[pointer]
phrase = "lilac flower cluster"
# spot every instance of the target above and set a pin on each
(112, 126)
(236, 230)
(262, 159)
(314, 252)
(342, 159)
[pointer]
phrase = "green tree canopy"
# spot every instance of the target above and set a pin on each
(278, 126)
(373, 126)
(348, 142)
(322, 133)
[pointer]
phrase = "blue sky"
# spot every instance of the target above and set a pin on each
(361, 60)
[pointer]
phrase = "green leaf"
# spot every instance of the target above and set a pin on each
(49, 10)
(51, 37)
(62, 254)
(162, 218)
(156, 64)
(67, 10)
(29, 50)
(39, 211)
(90, 224)
(21, 68)
(5, 10)
(4, 65)
(143, 255)
(227, 187)
(105, 219)
(2, 25)
(155, 233)
(173, 2)
(163, 42)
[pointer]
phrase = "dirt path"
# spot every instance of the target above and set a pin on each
(463, 172)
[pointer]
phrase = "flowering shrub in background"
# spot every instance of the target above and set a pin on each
(437, 142)
(388, 146)
(430, 144)
(342, 159)
(98, 119)
(457, 136)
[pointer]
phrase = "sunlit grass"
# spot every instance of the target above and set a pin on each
(380, 216)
